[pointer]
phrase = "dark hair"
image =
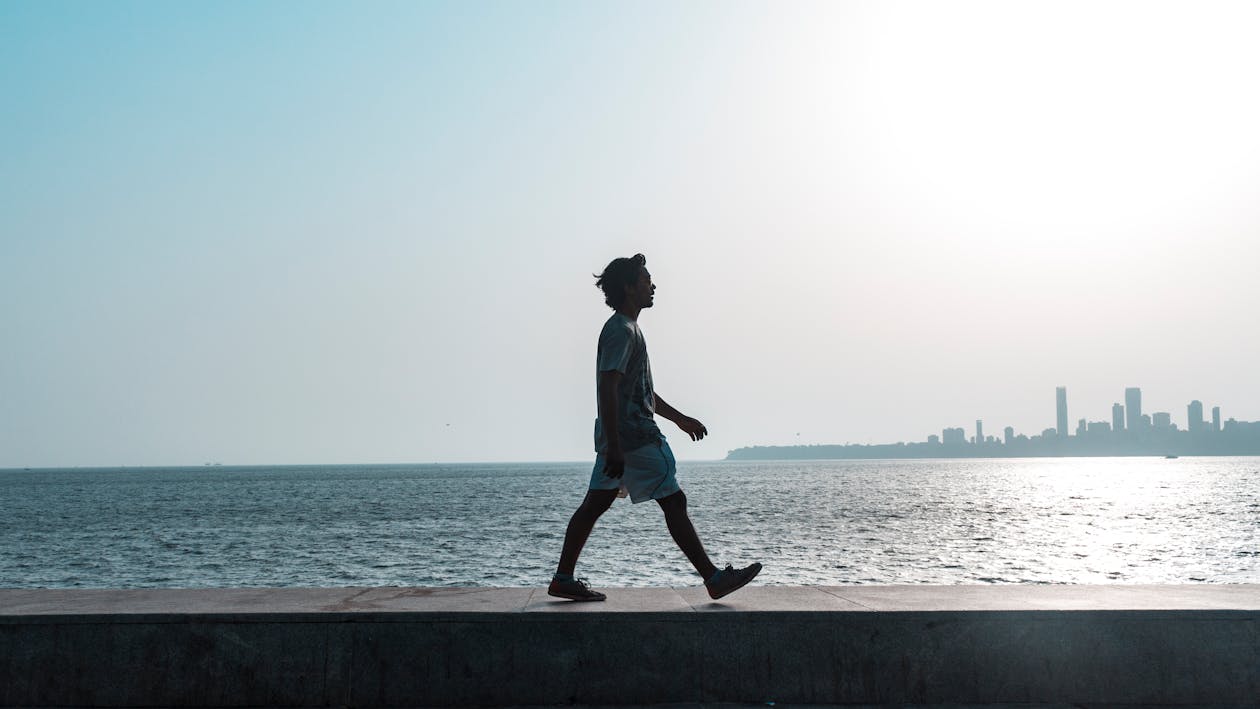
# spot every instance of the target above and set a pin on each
(619, 274)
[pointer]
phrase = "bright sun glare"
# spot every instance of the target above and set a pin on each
(1087, 121)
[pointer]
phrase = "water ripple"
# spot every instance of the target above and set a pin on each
(1036, 521)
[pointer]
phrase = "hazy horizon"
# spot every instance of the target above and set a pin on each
(337, 233)
(995, 436)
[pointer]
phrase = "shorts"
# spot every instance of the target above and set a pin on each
(649, 473)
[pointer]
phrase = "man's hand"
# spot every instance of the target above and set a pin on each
(614, 463)
(692, 428)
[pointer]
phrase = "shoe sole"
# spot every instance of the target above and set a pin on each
(579, 599)
(742, 584)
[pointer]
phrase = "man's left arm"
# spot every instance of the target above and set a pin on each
(689, 426)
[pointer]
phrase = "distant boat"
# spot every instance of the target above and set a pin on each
(1170, 456)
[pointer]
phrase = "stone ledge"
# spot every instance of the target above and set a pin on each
(960, 645)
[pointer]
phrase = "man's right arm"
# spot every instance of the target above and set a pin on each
(615, 460)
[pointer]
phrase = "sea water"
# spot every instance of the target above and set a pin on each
(1029, 521)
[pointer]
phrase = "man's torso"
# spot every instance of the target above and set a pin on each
(623, 348)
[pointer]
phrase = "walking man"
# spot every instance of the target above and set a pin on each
(631, 453)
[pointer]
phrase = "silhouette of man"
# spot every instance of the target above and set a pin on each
(632, 456)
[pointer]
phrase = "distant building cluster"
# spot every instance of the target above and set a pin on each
(1129, 432)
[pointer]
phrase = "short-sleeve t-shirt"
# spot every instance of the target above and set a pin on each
(623, 349)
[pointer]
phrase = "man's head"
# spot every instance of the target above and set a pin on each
(627, 281)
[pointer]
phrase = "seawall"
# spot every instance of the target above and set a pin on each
(407, 647)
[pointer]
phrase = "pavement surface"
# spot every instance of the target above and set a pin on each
(882, 599)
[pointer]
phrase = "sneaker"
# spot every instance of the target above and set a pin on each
(729, 580)
(573, 589)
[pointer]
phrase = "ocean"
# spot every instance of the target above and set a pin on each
(1025, 521)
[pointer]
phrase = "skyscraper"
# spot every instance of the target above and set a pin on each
(1133, 408)
(1216, 419)
(979, 431)
(1194, 416)
(1117, 417)
(1060, 406)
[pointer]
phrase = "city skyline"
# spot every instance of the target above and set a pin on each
(1126, 417)
(1129, 432)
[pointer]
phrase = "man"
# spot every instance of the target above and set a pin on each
(631, 454)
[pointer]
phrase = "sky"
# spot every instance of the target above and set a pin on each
(274, 233)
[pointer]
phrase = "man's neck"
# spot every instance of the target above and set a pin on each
(630, 311)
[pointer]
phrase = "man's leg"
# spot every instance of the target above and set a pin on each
(580, 525)
(684, 534)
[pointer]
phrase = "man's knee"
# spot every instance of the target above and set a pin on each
(597, 502)
(676, 501)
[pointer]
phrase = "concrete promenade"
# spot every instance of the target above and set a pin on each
(410, 647)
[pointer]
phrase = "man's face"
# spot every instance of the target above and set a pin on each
(641, 293)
